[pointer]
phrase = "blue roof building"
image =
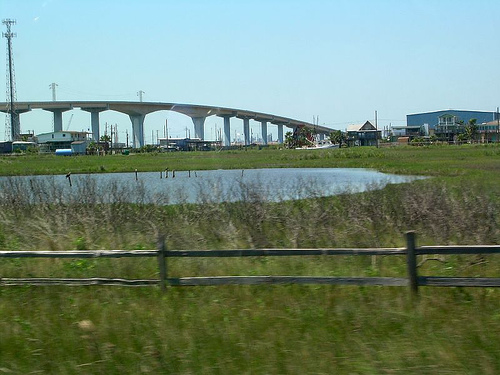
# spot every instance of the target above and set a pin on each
(432, 119)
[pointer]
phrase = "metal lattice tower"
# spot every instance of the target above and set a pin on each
(12, 126)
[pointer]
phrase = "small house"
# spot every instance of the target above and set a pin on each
(5, 147)
(363, 134)
(50, 142)
(19, 146)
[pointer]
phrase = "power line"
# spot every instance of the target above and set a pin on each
(77, 92)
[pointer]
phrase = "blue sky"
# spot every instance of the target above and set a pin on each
(339, 60)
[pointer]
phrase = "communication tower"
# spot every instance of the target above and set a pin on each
(12, 126)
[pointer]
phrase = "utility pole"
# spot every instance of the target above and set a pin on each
(498, 126)
(126, 132)
(53, 86)
(376, 129)
(14, 129)
(111, 141)
(139, 94)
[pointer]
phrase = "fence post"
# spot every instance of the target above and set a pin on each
(162, 262)
(411, 261)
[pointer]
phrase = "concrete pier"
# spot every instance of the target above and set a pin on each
(263, 125)
(94, 122)
(246, 130)
(280, 133)
(58, 125)
(199, 128)
(137, 130)
(227, 130)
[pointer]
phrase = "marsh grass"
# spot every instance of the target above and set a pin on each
(242, 329)
(255, 329)
(441, 214)
(434, 160)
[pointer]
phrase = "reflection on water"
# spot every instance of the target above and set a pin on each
(197, 186)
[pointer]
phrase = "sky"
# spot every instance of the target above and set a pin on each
(334, 61)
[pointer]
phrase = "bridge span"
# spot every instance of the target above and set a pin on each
(137, 112)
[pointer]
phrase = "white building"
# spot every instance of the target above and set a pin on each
(50, 142)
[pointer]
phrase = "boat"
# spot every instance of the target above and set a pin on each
(319, 146)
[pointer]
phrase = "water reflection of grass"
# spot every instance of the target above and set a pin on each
(264, 329)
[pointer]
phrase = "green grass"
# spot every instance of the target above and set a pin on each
(434, 160)
(266, 329)
(258, 329)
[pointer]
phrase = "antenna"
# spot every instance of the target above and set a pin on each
(12, 127)
(53, 86)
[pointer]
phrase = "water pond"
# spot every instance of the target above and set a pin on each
(197, 186)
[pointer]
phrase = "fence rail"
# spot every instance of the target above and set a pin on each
(411, 251)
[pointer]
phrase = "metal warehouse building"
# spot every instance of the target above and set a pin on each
(432, 119)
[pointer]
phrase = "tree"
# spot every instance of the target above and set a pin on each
(91, 147)
(302, 136)
(462, 137)
(338, 137)
(105, 138)
(289, 142)
(471, 130)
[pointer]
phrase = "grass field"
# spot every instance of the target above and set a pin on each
(434, 161)
(257, 329)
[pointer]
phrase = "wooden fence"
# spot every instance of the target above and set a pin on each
(411, 251)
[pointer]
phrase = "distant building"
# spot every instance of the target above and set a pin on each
(410, 131)
(79, 147)
(448, 124)
(433, 118)
(363, 134)
(489, 131)
(18, 146)
(6, 147)
(187, 144)
(50, 142)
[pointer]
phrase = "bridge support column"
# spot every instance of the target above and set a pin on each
(94, 122)
(199, 127)
(227, 131)
(246, 130)
(321, 136)
(280, 133)
(263, 125)
(58, 125)
(137, 130)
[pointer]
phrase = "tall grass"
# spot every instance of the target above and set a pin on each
(34, 216)
(247, 329)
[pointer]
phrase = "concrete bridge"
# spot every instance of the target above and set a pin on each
(137, 112)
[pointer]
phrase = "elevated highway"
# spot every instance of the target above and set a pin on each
(137, 112)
